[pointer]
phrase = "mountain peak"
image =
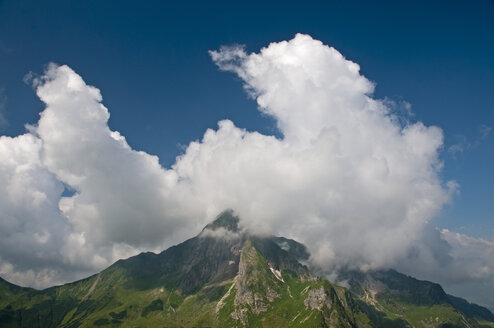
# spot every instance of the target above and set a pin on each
(226, 220)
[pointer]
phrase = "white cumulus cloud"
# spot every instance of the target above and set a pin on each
(124, 201)
(346, 177)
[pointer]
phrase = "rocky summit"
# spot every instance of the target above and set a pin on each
(225, 277)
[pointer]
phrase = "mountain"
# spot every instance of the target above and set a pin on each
(403, 301)
(225, 277)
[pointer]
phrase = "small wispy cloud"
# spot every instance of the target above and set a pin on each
(484, 131)
(462, 143)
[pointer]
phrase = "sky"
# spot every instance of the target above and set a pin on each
(127, 127)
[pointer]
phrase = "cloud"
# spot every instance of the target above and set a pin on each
(348, 177)
(470, 273)
(484, 131)
(219, 233)
(121, 195)
(460, 146)
(31, 228)
(463, 144)
(33, 231)
(474, 255)
(365, 186)
(121, 205)
(450, 257)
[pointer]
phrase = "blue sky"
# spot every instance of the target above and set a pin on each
(151, 62)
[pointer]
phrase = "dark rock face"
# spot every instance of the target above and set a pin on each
(187, 266)
(210, 257)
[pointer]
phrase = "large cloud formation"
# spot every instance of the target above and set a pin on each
(347, 177)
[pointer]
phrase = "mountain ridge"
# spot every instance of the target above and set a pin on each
(225, 277)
